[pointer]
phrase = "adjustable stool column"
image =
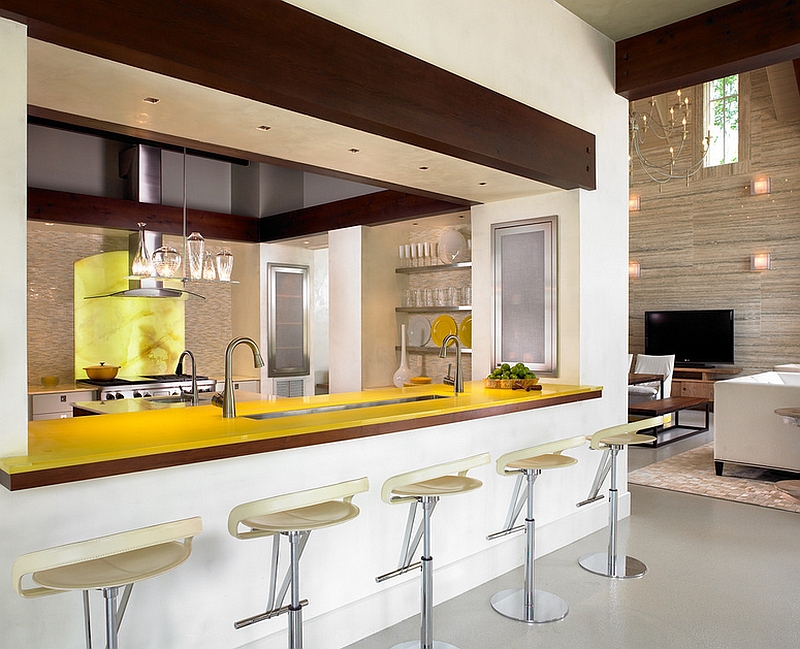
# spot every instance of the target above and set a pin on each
(294, 515)
(424, 487)
(107, 563)
(528, 604)
(611, 441)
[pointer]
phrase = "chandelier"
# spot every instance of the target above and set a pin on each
(672, 130)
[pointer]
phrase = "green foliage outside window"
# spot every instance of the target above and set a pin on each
(722, 120)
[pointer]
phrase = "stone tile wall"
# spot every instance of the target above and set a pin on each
(694, 243)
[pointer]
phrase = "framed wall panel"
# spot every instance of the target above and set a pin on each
(525, 282)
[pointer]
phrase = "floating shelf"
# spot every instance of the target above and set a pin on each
(431, 309)
(428, 269)
(429, 350)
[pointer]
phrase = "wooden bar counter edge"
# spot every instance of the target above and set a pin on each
(82, 448)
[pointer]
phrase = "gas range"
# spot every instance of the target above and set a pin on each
(157, 385)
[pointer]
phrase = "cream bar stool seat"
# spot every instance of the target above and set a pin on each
(528, 604)
(424, 487)
(107, 563)
(611, 441)
(293, 515)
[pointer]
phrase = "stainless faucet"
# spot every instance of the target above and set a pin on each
(179, 371)
(458, 380)
(226, 400)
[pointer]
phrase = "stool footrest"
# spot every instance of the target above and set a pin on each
(398, 572)
(266, 615)
(506, 532)
(590, 500)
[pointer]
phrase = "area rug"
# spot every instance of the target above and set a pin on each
(693, 472)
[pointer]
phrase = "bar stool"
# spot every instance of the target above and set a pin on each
(424, 487)
(611, 441)
(293, 515)
(527, 604)
(107, 563)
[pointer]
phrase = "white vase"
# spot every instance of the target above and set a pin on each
(403, 373)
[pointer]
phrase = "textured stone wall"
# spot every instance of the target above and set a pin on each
(694, 243)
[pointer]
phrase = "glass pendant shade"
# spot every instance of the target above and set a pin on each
(142, 265)
(224, 265)
(195, 246)
(166, 261)
(209, 269)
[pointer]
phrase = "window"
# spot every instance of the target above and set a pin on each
(525, 280)
(722, 120)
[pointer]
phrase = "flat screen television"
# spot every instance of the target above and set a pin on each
(697, 338)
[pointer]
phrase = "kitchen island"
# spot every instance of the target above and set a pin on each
(151, 433)
(94, 475)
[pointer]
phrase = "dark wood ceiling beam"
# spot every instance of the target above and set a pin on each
(369, 209)
(273, 52)
(735, 38)
(81, 209)
(796, 64)
(99, 211)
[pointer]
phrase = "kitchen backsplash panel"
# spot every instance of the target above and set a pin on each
(52, 250)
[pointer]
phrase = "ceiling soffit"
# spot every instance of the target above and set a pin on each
(281, 57)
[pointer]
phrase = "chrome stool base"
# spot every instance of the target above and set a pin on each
(547, 607)
(622, 567)
(416, 644)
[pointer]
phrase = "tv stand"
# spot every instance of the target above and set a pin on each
(699, 381)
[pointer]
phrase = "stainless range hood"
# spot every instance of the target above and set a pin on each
(140, 166)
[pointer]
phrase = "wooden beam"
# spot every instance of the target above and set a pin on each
(370, 209)
(99, 211)
(796, 64)
(273, 52)
(738, 37)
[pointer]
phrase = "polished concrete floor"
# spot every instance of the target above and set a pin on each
(721, 575)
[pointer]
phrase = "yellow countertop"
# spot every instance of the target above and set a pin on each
(66, 450)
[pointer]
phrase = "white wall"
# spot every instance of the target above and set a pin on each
(320, 312)
(344, 281)
(13, 215)
(381, 292)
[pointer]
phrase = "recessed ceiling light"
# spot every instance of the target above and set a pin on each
(263, 127)
(151, 100)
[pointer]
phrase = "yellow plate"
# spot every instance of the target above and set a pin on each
(441, 327)
(465, 332)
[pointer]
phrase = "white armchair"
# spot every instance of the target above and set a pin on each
(652, 365)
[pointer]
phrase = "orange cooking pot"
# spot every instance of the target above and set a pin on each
(102, 372)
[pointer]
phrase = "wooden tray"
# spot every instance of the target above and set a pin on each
(513, 384)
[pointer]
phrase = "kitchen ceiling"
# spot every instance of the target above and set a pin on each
(74, 83)
(621, 19)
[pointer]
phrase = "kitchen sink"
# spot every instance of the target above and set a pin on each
(344, 406)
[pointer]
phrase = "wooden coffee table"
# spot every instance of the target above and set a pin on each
(671, 405)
